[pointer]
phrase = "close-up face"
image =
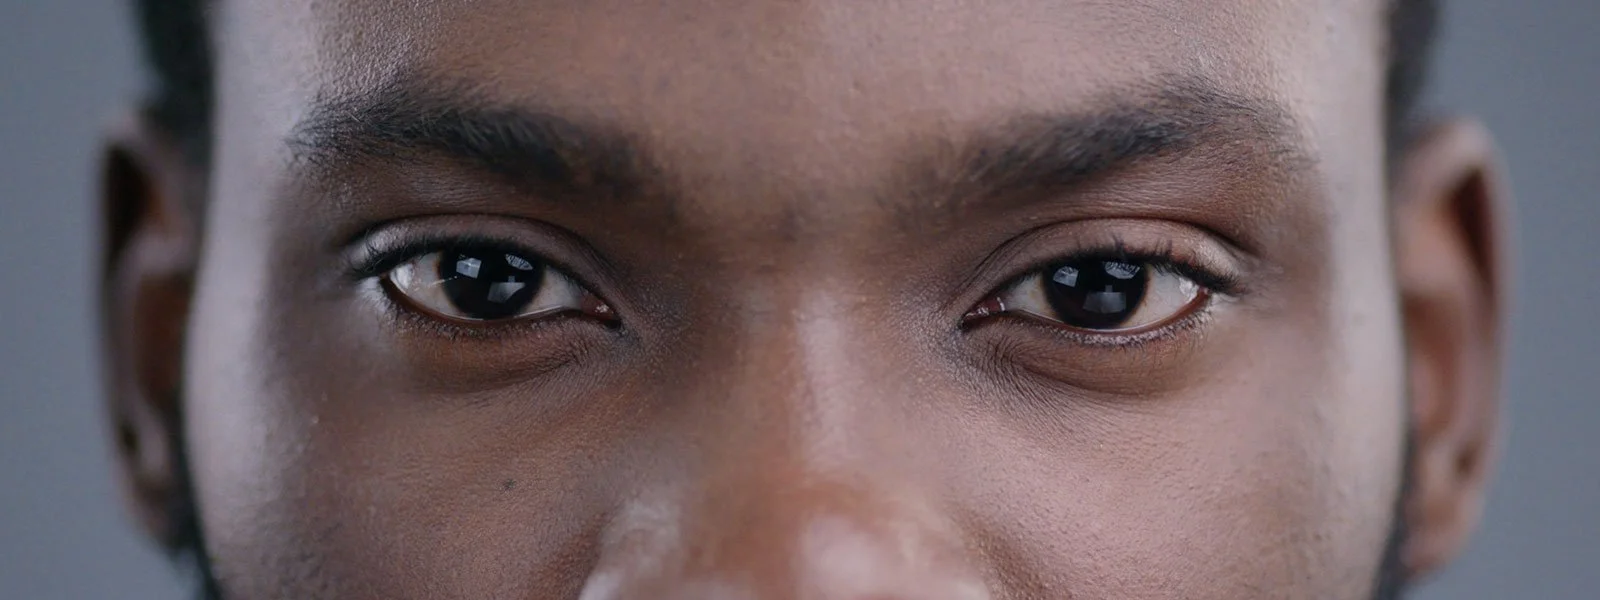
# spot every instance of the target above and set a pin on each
(814, 299)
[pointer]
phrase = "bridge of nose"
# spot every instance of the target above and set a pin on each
(806, 479)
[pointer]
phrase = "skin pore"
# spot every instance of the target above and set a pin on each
(783, 323)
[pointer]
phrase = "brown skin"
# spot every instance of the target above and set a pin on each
(785, 399)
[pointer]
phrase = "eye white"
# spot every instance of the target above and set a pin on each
(1167, 294)
(419, 281)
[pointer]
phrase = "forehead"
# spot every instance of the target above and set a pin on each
(809, 75)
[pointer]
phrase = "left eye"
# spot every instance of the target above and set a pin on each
(489, 284)
(1099, 294)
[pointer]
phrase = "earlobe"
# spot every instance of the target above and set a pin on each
(149, 240)
(1449, 215)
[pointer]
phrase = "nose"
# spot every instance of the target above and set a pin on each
(783, 538)
(809, 481)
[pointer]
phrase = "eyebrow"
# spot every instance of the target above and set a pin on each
(1024, 155)
(1173, 118)
(409, 119)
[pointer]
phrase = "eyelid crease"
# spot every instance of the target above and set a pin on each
(1210, 260)
(376, 258)
(383, 245)
(1164, 258)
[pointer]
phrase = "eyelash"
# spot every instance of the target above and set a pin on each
(1124, 341)
(376, 260)
(1164, 257)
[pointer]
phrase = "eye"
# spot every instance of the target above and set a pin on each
(490, 284)
(1099, 294)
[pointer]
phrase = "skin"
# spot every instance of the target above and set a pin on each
(785, 399)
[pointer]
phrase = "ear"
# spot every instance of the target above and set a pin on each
(1450, 245)
(149, 237)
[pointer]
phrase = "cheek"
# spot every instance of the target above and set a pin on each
(312, 482)
(399, 503)
(319, 472)
(1274, 477)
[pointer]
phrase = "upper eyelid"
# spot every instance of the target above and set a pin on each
(1194, 252)
(561, 250)
(1036, 276)
(1061, 240)
(380, 259)
(552, 244)
(374, 258)
(1216, 282)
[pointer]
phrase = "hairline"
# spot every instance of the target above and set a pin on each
(184, 95)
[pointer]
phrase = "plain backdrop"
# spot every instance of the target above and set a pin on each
(1531, 69)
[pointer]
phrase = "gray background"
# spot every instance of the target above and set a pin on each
(1530, 69)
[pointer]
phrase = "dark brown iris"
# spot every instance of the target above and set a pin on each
(489, 284)
(1096, 293)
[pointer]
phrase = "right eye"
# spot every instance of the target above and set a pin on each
(490, 284)
(1102, 295)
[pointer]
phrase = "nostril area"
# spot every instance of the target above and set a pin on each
(821, 542)
(823, 557)
(889, 559)
(612, 585)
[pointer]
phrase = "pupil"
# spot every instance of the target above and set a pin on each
(1096, 294)
(489, 284)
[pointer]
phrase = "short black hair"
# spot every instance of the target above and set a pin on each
(1412, 29)
(178, 49)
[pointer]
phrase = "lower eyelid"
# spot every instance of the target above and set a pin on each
(1195, 318)
(398, 314)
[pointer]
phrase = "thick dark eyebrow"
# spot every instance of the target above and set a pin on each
(1020, 157)
(412, 119)
(1046, 152)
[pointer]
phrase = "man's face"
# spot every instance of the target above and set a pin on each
(797, 299)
